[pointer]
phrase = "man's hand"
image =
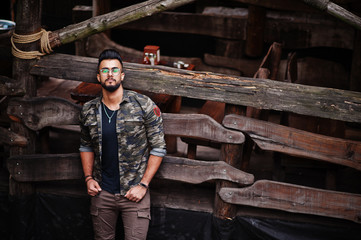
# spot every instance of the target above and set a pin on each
(136, 193)
(93, 187)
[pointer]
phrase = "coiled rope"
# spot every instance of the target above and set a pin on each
(43, 35)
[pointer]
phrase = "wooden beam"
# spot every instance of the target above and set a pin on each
(195, 172)
(199, 126)
(12, 139)
(45, 167)
(296, 199)
(28, 21)
(230, 154)
(11, 87)
(40, 112)
(259, 93)
(51, 167)
(336, 11)
(274, 137)
(107, 21)
(255, 29)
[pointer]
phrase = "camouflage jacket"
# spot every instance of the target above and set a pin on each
(139, 127)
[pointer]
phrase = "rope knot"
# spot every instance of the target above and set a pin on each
(45, 47)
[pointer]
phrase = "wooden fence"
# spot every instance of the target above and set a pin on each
(230, 187)
(39, 112)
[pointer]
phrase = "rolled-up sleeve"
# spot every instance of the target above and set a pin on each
(154, 128)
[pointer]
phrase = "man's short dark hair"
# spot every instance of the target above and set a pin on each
(110, 54)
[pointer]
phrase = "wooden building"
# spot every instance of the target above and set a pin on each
(263, 95)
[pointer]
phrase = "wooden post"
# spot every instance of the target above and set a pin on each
(231, 154)
(101, 7)
(28, 21)
(255, 26)
(81, 13)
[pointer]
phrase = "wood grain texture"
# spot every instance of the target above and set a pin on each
(50, 167)
(45, 167)
(274, 137)
(259, 93)
(39, 112)
(296, 199)
(195, 172)
(199, 126)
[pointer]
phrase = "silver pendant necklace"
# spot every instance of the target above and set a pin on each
(110, 118)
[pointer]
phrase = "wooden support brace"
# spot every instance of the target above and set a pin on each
(296, 199)
(37, 113)
(195, 172)
(274, 137)
(51, 167)
(260, 93)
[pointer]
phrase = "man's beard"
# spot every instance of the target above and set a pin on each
(111, 88)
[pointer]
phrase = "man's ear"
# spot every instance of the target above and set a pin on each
(98, 77)
(122, 76)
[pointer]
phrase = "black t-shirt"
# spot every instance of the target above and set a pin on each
(110, 164)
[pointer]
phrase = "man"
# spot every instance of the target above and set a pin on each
(117, 131)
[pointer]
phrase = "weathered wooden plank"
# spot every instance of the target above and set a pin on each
(195, 172)
(50, 167)
(45, 167)
(336, 11)
(11, 87)
(296, 199)
(259, 93)
(40, 112)
(10, 138)
(178, 195)
(231, 154)
(274, 137)
(37, 113)
(199, 126)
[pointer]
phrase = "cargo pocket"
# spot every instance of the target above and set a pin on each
(144, 214)
(141, 229)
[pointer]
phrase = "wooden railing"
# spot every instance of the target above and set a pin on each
(37, 113)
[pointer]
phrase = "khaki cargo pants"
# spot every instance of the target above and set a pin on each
(105, 208)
